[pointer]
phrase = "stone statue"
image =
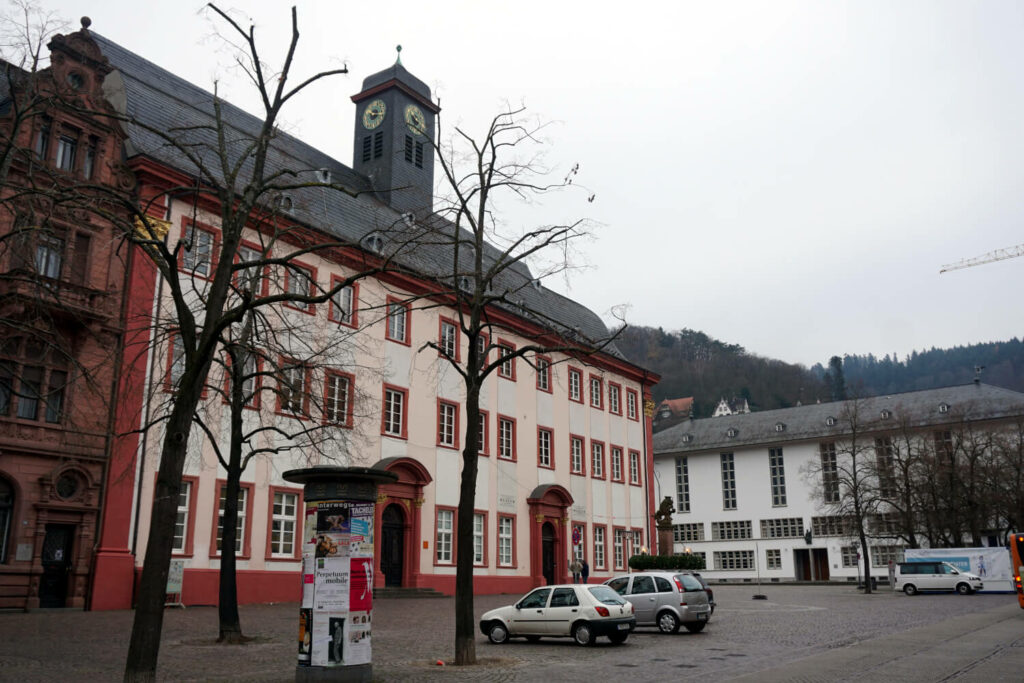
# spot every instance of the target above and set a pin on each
(663, 517)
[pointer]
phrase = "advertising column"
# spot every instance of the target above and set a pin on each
(335, 617)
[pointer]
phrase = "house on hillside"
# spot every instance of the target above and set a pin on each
(734, 406)
(565, 438)
(767, 493)
(672, 411)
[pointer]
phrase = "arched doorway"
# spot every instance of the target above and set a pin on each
(392, 544)
(547, 542)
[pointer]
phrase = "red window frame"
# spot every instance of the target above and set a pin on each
(484, 340)
(250, 499)
(405, 410)
(395, 301)
(578, 373)
(636, 405)
(484, 447)
(613, 409)
(186, 223)
(310, 308)
(604, 546)
(440, 339)
(583, 455)
(283, 362)
(332, 310)
(300, 518)
(625, 542)
(622, 463)
(455, 427)
(639, 468)
(264, 277)
(190, 523)
(512, 420)
(497, 544)
(604, 452)
(502, 345)
(583, 538)
(551, 447)
(546, 371)
(600, 392)
(455, 532)
(484, 563)
(348, 421)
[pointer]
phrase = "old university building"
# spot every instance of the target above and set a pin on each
(566, 438)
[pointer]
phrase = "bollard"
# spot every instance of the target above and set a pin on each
(335, 615)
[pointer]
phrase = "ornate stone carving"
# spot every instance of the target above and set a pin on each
(663, 517)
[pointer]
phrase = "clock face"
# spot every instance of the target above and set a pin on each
(373, 115)
(414, 118)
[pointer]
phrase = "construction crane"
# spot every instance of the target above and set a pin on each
(997, 255)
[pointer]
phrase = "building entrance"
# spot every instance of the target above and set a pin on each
(547, 539)
(392, 543)
(56, 560)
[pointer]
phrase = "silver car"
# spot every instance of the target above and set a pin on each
(665, 599)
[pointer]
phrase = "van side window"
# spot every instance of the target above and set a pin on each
(642, 584)
(663, 585)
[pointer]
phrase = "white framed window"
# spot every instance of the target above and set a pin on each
(882, 555)
(507, 369)
(177, 368)
(731, 530)
(613, 399)
(596, 392)
(249, 278)
(634, 467)
(293, 388)
(243, 504)
(599, 547)
(579, 551)
(506, 438)
(829, 472)
(506, 531)
(686, 533)
(482, 445)
(596, 459)
(66, 147)
(394, 412)
(181, 520)
(447, 421)
(300, 283)
(544, 447)
(773, 558)
(850, 556)
(448, 343)
(445, 527)
(734, 559)
(282, 525)
(728, 482)
(543, 374)
(198, 251)
(479, 523)
(778, 475)
(344, 302)
(576, 455)
(618, 546)
(336, 405)
(49, 256)
(786, 527)
(616, 463)
(398, 314)
(631, 405)
(682, 485)
(575, 381)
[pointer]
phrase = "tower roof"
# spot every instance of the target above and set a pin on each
(398, 76)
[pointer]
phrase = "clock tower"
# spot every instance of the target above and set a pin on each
(394, 135)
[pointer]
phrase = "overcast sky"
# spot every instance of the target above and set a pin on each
(788, 176)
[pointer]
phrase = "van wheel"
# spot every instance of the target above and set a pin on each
(910, 589)
(497, 634)
(695, 627)
(667, 622)
(963, 589)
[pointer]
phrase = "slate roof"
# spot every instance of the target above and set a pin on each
(975, 401)
(159, 99)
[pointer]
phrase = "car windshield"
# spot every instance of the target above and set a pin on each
(606, 595)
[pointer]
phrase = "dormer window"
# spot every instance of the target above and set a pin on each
(830, 421)
(687, 438)
(886, 413)
(780, 427)
(374, 243)
(732, 433)
(943, 407)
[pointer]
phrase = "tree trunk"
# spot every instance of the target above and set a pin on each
(227, 607)
(465, 624)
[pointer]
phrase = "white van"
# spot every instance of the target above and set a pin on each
(929, 575)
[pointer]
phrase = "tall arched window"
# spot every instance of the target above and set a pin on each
(6, 512)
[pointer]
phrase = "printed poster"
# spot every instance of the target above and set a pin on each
(357, 644)
(331, 584)
(361, 581)
(329, 639)
(305, 636)
(332, 529)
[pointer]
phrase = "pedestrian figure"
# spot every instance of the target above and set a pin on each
(574, 568)
(585, 570)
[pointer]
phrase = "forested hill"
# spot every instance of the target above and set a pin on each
(693, 364)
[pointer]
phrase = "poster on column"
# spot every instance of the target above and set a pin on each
(361, 582)
(357, 642)
(331, 584)
(361, 529)
(329, 638)
(305, 636)
(332, 529)
(308, 569)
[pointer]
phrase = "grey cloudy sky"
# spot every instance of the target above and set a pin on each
(788, 176)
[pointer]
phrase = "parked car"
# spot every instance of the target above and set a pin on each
(665, 599)
(708, 590)
(578, 611)
(914, 577)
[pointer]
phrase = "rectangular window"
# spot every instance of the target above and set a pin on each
(734, 559)
(42, 139)
(282, 525)
(882, 555)
(597, 459)
(80, 259)
(634, 467)
(829, 472)
(686, 533)
(631, 405)
(66, 147)
(448, 340)
(506, 541)
(447, 424)
(338, 399)
(544, 438)
(832, 525)
(293, 387)
(787, 527)
(250, 380)
(576, 455)
(300, 282)
(579, 550)
(31, 392)
(6, 386)
(243, 500)
(367, 144)
(408, 148)
(884, 524)
(682, 485)
(778, 474)
(248, 278)
(507, 369)
(543, 374)
(575, 385)
(616, 463)
(614, 393)
(89, 163)
(599, 547)
(618, 545)
(55, 396)
(343, 306)
(483, 446)
(506, 438)
(479, 538)
(178, 545)
(398, 319)
(49, 256)
(197, 257)
(728, 482)
(850, 555)
(731, 531)
(394, 411)
(445, 531)
(886, 473)
(773, 559)
(596, 392)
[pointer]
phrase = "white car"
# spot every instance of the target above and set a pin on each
(580, 611)
(934, 575)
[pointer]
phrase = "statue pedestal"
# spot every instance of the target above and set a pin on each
(665, 540)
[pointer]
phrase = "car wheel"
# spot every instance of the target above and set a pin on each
(619, 638)
(533, 639)
(497, 634)
(695, 627)
(963, 589)
(668, 622)
(910, 589)
(582, 634)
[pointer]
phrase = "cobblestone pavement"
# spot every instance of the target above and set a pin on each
(794, 625)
